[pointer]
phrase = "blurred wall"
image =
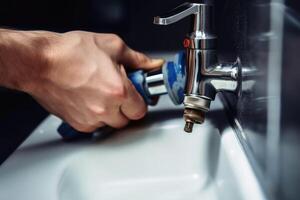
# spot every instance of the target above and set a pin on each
(265, 35)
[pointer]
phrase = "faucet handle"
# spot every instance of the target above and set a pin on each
(202, 24)
(177, 13)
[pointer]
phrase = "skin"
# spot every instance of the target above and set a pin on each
(78, 76)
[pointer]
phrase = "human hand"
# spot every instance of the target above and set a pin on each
(81, 78)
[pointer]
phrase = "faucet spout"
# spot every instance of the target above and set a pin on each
(219, 79)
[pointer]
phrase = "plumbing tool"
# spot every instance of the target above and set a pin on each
(170, 79)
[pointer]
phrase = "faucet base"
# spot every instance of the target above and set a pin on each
(197, 102)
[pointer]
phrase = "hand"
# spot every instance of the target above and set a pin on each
(81, 78)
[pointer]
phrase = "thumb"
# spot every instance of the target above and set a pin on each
(138, 60)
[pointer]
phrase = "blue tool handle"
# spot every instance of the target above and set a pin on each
(137, 78)
(67, 132)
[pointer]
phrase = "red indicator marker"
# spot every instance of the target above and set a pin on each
(186, 43)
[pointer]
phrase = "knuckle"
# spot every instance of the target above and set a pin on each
(121, 124)
(77, 32)
(100, 110)
(139, 113)
(117, 42)
(115, 38)
(141, 58)
(97, 112)
(118, 92)
(84, 128)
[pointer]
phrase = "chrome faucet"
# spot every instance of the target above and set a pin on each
(205, 76)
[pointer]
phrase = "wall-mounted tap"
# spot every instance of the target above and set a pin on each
(205, 76)
(196, 73)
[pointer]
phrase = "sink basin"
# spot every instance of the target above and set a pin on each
(150, 159)
(159, 162)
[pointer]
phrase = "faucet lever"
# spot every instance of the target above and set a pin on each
(202, 35)
(177, 13)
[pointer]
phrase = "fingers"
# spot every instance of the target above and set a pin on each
(120, 52)
(116, 119)
(134, 106)
(137, 60)
(85, 127)
(88, 128)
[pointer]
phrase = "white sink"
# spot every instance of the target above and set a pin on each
(153, 159)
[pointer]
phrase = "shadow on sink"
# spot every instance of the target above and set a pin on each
(151, 119)
(134, 130)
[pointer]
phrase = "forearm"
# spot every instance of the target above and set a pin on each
(21, 62)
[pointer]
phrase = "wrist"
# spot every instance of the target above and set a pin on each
(22, 58)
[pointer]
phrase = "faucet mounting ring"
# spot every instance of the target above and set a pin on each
(197, 102)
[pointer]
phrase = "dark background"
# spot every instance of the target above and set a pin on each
(243, 28)
(131, 19)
